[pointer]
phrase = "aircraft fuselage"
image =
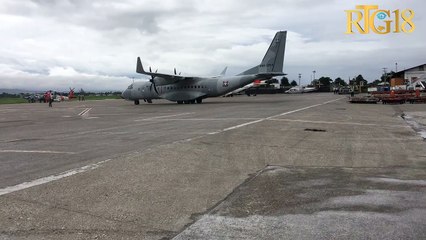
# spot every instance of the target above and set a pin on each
(195, 89)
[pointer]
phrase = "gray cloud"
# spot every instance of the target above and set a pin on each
(95, 43)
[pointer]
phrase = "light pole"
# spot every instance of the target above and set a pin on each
(384, 76)
(314, 78)
(300, 75)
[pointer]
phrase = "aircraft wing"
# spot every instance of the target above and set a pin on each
(268, 75)
(168, 78)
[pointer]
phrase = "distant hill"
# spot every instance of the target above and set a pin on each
(15, 91)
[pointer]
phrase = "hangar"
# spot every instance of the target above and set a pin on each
(411, 75)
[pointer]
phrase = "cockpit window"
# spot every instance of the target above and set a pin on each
(130, 86)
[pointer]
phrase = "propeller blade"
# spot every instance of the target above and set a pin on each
(175, 71)
(155, 89)
(153, 84)
(156, 70)
(150, 69)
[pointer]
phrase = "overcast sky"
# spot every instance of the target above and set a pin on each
(48, 44)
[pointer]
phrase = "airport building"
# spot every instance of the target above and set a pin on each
(410, 78)
(413, 74)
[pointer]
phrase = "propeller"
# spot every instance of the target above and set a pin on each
(152, 81)
(175, 70)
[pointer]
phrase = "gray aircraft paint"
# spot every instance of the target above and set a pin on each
(189, 89)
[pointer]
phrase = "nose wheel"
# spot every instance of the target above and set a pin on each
(136, 102)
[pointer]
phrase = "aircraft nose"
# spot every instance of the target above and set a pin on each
(125, 94)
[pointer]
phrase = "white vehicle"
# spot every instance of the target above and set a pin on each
(301, 89)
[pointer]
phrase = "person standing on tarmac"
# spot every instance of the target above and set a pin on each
(50, 98)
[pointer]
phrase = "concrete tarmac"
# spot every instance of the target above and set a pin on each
(304, 166)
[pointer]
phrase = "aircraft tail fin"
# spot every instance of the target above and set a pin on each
(139, 67)
(274, 58)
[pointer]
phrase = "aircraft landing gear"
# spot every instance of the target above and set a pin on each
(149, 100)
(198, 100)
(136, 102)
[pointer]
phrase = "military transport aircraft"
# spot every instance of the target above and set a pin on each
(191, 89)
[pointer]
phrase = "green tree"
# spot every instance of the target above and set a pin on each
(359, 80)
(325, 81)
(284, 81)
(387, 76)
(340, 82)
(293, 83)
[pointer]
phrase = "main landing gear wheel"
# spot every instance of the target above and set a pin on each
(180, 102)
(199, 100)
(136, 102)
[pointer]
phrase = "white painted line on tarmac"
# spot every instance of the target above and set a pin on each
(242, 125)
(271, 117)
(339, 123)
(208, 119)
(51, 178)
(159, 117)
(12, 140)
(35, 151)
(86, 110)
(301, 109)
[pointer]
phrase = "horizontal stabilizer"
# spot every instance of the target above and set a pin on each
(269, 75)
(224, 71)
